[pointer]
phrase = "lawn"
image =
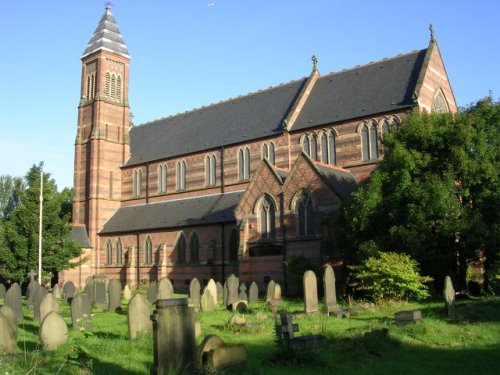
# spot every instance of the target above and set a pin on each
(366, 343)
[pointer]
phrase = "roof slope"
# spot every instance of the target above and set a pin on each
(384, 86)
(211, 209)
(80, 236)
(342, 182)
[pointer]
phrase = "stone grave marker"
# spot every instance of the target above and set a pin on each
(224, 293)
(81, 313)
(13, 300)
(449, 296)
(53, 331)
(194, 293)
(277, 292)
(213, 289)
(127, 293)
(310, 292)
(165, 289)
(220, 292)
(406, 317)
(32, 275)
(2, 291)
(100, 285)
(48, 304)
(254, 293)
(115, 295)
(38, 295)
(152, 293)
(232, 289)
(8, 336)
(240, 306)
(288, 329)
(68, 291)
(270, 291)
(331, 304)
(9, 314)
(243, 292)
(138, 317)
(215, 354)
(56, 291)
(30, 292)
(207, 300)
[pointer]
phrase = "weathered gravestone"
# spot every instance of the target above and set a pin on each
(115, 295)
(331, 304)
(9, 314)
(2, 291)
(53, 331)
(207, 300)
(277, 292)
(138, 317)
(56, 291)
(243, 292)
(254, 293)
(449, 296)
(270, 291)
(152, 293)
(194, 293)
(100, 284)
(310, 292)
(38, 295)
(8, 336)
(213, 289)
(240, 306)
(220, 292)
(13, 300)
(30, 293)
(68, 291)
(81, 313)
(233, 284)
(215, 354)
(288, 329)
(89, 290)
(165, 289)
(406, 317)
(127, 293)
(48, 304)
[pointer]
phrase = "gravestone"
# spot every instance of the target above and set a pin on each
(220, 293)
(216, 355)
(331, 304)
(288, 329)
(233, 284)
(8, 336)
(56, 291)
(115, 295)
(406, 317)
(81, 313)
(253, 293)
(9, 314)
(209, 343)
(30, 292)
(213, 289)
(53, 331)
(38, 295)
(152, 293)
(310, 292)
(194, 293)
(449, 296)
(13, 300)
(47, 305)
(270, 291)
(68, 291)
(89, 290)
(32, 275)
(207, 300)
(100, 284)
(240, 306)
(243, 292)
(138, 317)
(127, 293)
(2, 291)
(165, 289)
(277, 292)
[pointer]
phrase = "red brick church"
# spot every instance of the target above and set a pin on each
(234, 187)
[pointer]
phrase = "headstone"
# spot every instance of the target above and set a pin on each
(288, 329)
(47, 305)
(30, 292)
(194, 293)
(216, 355)
(277, 292)
(209, 343)
(13, 300)
(310, 292)
(38, 295)
(233, 284)
(8, 336)
(138, 317)
(240, 306)
(152, 293)
(32, 275)
(254, 293)
(81, 313)
(53, 331)
(115, 295)
(449, 296)
(243, 292)
(90, 290)
(9, 314)
(165, 289)
(213, 289)
(220, 293)
(173, 336)
(2, 291)
(100, 299)
(207, 300)
(331, 304)
(56, 291)
(68, 291)
(270, 291)
(407, 317)
(127, 293)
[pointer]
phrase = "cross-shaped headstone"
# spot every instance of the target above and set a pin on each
(32, 275)
(287, 326)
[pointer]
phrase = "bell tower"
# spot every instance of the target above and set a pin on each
(102, 142)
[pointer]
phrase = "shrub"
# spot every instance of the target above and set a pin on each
(389, 275)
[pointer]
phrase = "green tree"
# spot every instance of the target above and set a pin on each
(19, 248)
(9, 186)
(435, 194)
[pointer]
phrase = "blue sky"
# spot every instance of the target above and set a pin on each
(189, 53)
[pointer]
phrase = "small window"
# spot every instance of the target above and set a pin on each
(162, 178)
(306, 145)
(181, 175)
(369, 141)
(119, 252)
(109, 253)
(268, 152)
(210, 170)
(267, 218)
(148, 251)
(194, 247)
(244, 164)
(137, 182)
(181, 249)
(314, 147)
(439, 104)
(107, 84)
(119, 88)
(305, 212)
(373, 141)
(332, 148)
(365, 143)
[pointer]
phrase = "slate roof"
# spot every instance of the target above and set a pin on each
(79, 235)
(384, 86)
(343, 183)
(107, 36)
(211, 209)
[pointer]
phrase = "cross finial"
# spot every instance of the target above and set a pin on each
(109, 3)
(315, 63)
(431, 29)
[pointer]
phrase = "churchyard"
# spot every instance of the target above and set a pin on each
(261, 332)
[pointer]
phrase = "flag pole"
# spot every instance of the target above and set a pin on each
(40, 230)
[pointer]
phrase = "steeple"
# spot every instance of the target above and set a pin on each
(107, 37)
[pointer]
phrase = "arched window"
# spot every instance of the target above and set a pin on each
(385, 127)
(109, 253)
(314, 147)
(113, 86)
(210, 170)
(119, 87)
(119, 251)
(369, 141)
(87, 91)
(306, 145)
(244, 164)
(233, 244)
(148, 251)
(162, 178)
(194, 247)
(181, 249)
(332, 148)
(373, 141)
(365, 143)
(137, 182)
(107, 84)
(268, 152)
(305, 214)
(180, 175)
(267, 218)
(439, 104)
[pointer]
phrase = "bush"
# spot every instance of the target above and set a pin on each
(390, 276)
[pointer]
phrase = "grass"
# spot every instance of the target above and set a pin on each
(367, 342)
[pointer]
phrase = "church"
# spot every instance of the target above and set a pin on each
(242, 186)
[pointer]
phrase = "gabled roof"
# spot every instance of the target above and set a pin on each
(79, 235)
(107, 37)
(210, 209)
(342, 182)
